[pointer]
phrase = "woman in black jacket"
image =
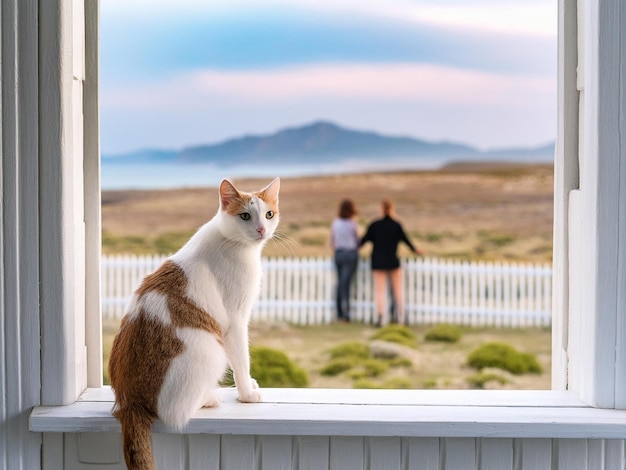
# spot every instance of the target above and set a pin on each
(385, 234)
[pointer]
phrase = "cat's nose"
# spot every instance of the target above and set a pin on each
(261, 230)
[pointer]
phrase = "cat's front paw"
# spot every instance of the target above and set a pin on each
(252, 395)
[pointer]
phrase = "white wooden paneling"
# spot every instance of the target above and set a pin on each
(312, 452)
(63, 368)
(572, 454)
(384, 453)
(55, 448)
(338, 453)
(459, 453)
(614, 455)
(534, 454)
(170, 451)
(620, 366)
(602, 161)
(495, 453)
(86, 452)
(566, 178)
(422, 454)
(347, 452)
(92, 196)
(19, 234)
(237, 452)
(276, 452)
(204, 452)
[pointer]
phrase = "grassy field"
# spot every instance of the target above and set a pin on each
(433, 365)
(496, 212)
(477, 212)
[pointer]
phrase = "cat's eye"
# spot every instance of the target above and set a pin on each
(269, 214)
(244, 216)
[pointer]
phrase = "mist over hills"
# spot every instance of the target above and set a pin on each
(324, 142)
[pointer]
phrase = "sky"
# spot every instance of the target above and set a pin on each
(188, 72)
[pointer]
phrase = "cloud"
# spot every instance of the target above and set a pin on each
(270, 34)
(198, 71)
(518, 16)
(432, 102)
(415, 82)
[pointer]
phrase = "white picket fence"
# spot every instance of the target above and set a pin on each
(302, 291)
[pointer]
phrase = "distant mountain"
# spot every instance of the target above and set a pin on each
(320, 141)
(325, 142)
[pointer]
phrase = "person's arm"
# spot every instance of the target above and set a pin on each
(368, 237)
(406, 240)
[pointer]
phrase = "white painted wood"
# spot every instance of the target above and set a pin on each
(19, 234)
(478, 398)
(495, 453)
(614, 455)
(572, 454)
(169, 451)
(236, 452)
(620, 361)
(92, 212)
(312, 453)
(52, 453)
(384, 453)
(63, 368)
(534, 454)
(383, 413)
(276, 452)
(99, 448)
(459, 454)
(204, 452)
(566, 178)
(347, 452)
(422, 454)
(601, 160)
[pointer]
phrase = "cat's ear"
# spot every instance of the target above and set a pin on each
(270, 192)
(228, 194)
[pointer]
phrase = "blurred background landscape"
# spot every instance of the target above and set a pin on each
(448, 107)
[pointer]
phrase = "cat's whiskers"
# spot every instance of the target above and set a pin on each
(287, 242)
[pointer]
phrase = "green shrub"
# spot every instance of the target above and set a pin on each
(398, 383)
(357, 374)
(400, 362)
(337, 366)
(399, 334)
(350, 349)
(272, 369)
(429, 384)
(481, 379)
(505, 357)
(364, 383)
(444, 333)
(375, 367)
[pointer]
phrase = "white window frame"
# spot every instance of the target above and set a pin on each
(589, 312)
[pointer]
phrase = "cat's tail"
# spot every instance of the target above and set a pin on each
(136, 440)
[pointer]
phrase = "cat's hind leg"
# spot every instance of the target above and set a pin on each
(192, 377)
(211, 399)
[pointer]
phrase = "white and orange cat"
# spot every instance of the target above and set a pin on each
(188, 321)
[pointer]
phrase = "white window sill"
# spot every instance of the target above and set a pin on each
(424, 413)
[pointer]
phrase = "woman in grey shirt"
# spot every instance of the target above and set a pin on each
(344, 239)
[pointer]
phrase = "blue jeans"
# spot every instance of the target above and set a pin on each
(346, 263)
